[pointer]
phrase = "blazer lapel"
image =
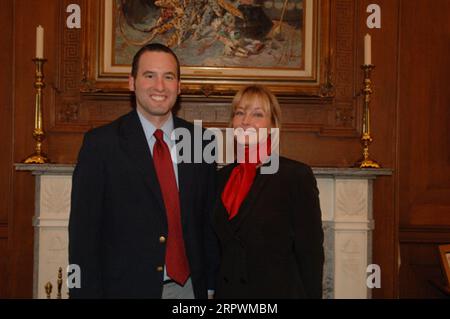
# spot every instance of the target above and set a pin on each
(221, 214)
(185, 178)
(230, 229)
(135, 144)
(246, 207)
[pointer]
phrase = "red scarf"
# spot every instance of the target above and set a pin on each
(241, 180)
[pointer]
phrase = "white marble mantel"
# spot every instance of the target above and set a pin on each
(345, 199)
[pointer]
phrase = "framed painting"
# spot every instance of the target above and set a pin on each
(221, 44)
(444, 253)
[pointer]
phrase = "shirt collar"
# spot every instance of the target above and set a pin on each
(149, 128)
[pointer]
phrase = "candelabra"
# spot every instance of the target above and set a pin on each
(49, 287)
(366, 139)
(38, 157)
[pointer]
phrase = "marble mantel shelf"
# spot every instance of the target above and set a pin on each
(42, 169)
(346, 201)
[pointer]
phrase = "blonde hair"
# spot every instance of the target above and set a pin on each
(262, 93)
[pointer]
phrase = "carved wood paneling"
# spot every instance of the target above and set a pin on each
(344, 81)
(3, 230)
(424, 172)
(424, 144)
(67, 106)
(6, 112)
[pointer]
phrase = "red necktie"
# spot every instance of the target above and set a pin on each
(176, 260)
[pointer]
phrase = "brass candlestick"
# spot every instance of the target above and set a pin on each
(38, 134)
(48, 290)
(49, 287)
(366, 139)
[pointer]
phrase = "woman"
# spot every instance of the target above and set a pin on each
(269, 225)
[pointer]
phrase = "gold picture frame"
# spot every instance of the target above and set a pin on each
(112, 41)
(444, 253)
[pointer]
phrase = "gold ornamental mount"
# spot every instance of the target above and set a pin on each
(38, 157)
(366, 138)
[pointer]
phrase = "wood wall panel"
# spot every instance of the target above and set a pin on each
(420, 268)
(24, 16)
(27, 15)
(4, 276)
(6, 107)
(424, 142)
(6, 134)
(425, 114)
(21, 240)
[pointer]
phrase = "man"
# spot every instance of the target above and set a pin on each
(140, 222)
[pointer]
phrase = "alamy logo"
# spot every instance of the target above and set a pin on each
(221, 147)
(374, 279)
(73, 276)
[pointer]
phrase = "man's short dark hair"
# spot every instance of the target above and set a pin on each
(152, 47)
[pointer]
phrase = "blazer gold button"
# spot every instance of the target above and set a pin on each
(159, 268)
(162, 239)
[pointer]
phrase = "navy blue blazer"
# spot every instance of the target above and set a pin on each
(117, 215)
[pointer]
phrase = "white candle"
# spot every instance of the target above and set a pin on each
(39, 42)
(367, 50)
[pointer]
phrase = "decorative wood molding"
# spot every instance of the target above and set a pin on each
(66, 110)
(69, 112)
(425, 234)
(3, 230)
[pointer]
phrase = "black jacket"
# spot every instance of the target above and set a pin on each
(117, 215)
(273, 247)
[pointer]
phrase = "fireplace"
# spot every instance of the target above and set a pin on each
(345, 199)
